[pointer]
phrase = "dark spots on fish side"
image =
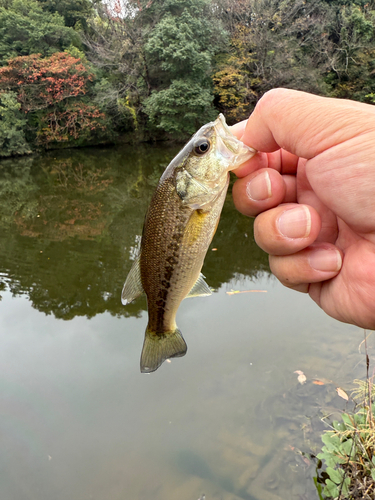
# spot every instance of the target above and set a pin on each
(168, 273)
(160, 319)
(172, 260)
(166, 284)
(173, 246)
(160, 303)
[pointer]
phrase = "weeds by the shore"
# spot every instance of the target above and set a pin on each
(349, 449)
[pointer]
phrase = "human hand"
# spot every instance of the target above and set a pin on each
(312, 188)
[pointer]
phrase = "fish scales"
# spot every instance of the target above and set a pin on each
(164, 231)
(179, 226)
(172, 237)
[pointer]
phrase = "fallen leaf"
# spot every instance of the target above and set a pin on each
(322, 381)
(213, 249)
(232, 292)
(301, 377)
(342, 393)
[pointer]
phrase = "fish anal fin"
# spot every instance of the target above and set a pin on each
(133, 284)
(159, 347)
(200, 288)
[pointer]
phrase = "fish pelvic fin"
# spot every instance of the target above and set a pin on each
(158, 347)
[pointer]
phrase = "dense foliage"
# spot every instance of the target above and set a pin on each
(349, 452)
(75, 72)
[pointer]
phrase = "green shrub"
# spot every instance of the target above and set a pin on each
(12, 126)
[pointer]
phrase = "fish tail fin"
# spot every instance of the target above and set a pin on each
(158, 347)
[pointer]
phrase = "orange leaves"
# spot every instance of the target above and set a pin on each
(42, 82)
(76, 121)
(56, 85)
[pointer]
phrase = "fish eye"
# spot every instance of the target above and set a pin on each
(201, 147)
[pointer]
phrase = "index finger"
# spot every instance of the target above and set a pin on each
(280, 160)
(303, 124)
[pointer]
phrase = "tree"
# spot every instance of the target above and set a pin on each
(115, 42)
(26, 29)
(12, 125)
(78, 122)
(51, 92)
(180, 50)
(352, 52)
(74, 12)
(42, 82)
(181, 108)
(273, 43)
(161, 48)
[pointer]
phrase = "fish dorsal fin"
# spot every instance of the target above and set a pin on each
(133, 284)
(200, 288)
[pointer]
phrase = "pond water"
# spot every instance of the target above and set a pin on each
(79, 421)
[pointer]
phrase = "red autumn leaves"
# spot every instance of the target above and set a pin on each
(43, 84)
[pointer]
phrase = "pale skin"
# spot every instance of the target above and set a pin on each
(311, 188)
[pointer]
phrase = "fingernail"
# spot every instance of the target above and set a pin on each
(325, 259)
(259, 188)
(295, 223)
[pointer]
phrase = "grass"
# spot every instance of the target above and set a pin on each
(349, 449)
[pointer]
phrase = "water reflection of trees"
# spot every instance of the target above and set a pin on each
(71, 220)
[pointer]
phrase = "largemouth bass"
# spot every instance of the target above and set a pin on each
(180, 223)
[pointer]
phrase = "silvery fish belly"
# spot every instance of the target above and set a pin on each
(180, 223)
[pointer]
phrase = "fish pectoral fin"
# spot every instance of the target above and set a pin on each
(200, 288)
(159, 347)
(133, 284)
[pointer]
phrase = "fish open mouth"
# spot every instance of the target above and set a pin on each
(229, 146)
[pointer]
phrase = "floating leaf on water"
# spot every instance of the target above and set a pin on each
(322, 381)
(232, 292)
(342, 393)
(301, 377)
(213, 249)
